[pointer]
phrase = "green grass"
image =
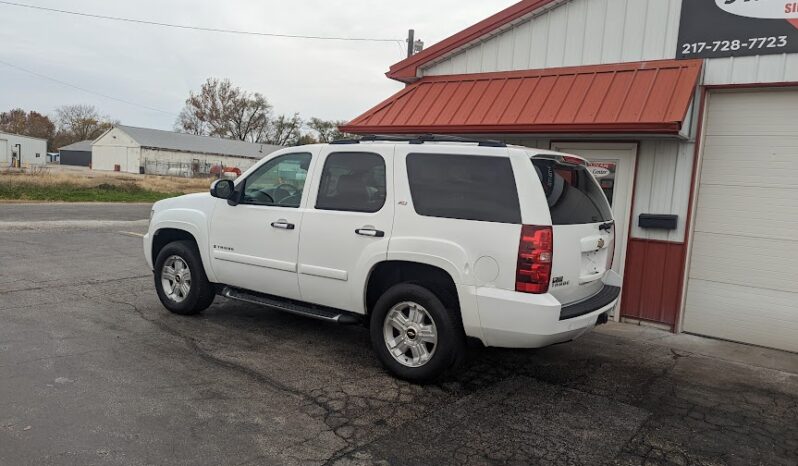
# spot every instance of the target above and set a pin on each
(67, 192)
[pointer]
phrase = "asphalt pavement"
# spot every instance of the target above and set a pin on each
(94, 371)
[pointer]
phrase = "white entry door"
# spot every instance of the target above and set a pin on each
(613, 165)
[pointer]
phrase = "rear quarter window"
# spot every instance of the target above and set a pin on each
(572, 194)
(464, 187)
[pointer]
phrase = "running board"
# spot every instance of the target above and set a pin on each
(327, 314)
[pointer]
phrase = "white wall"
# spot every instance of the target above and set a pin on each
(664, 172)
(116, 148)
(753, 69)
(34, 151)
(578, 32)
(592, 32)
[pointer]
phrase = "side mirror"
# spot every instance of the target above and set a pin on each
(223, 189)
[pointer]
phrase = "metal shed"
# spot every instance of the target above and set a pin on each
(77, 154)
(143, 150)
(22, 151)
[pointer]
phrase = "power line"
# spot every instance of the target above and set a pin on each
(64, 83)
(198, 28)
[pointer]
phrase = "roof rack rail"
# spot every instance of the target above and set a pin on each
(420, 139)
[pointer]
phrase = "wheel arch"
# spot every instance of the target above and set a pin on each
(168, 232)
(388, 273)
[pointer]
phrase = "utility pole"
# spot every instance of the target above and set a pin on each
(411, 42)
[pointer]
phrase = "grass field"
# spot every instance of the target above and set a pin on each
(89, 186)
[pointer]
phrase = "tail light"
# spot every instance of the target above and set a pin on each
(534, 259)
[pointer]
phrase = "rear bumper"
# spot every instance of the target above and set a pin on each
(519, 320)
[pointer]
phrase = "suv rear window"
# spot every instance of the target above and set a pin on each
(573, 196)
(464, 187)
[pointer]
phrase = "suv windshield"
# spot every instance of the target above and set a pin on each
(573, 195)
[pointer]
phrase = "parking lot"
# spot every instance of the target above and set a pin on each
(94, 371)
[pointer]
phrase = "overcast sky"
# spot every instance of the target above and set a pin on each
(156, 67)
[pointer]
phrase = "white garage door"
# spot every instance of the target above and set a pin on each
(743, 278)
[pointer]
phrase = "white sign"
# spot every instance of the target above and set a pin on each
(761, 9)
(599, 172)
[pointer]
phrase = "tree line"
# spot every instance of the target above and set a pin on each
(219, 108)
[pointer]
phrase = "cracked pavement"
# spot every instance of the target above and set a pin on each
(94, 371)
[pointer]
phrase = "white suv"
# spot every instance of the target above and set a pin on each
(428, 241)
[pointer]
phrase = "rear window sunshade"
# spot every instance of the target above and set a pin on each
(573, 196)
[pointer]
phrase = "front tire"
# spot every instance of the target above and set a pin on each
(414, 335)
(180, 279)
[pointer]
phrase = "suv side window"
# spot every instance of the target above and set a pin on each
(352, 182)
(278, 182)
(465, 187)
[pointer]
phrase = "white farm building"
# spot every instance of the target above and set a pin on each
(141, 150)
(24, 151)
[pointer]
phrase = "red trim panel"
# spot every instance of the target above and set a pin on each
(640, 97)
(407, 70)
(652, 285)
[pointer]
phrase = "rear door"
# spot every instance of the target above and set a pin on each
(346, 229)
(584, 231)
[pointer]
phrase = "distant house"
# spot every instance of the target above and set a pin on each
(21, 151)
(78, 154)
(141, 150)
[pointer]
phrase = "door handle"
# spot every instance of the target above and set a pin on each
(370, 232)
(283, 225)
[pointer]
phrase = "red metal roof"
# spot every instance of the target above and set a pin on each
(642, 97)
(407, 70)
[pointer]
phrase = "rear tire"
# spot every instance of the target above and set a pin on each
(414, 335)
(180, 279)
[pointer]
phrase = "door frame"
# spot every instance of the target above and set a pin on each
(629, 151)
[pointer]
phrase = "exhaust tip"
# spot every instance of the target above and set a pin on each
(603, 318)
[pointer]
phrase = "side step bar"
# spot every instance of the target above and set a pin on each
(292, 307)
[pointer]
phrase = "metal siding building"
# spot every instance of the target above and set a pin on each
(133, 150)
(77, 154)
(716, 147)
(15, 148)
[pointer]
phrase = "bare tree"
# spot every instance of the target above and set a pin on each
(80, 123)
(283, 131)
(224, 110)
(189, 122)
(327, 130)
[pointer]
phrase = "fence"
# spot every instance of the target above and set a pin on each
(194, 169)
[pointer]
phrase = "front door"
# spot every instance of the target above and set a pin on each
(613, 165)
(254, 244)
(347, 225)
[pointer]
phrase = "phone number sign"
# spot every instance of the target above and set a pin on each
(733, 28)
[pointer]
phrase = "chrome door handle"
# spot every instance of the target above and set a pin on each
(370, 232)
(283, 225)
